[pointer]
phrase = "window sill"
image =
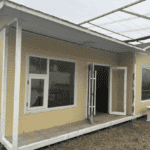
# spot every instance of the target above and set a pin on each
(48, 109)
(144, 101)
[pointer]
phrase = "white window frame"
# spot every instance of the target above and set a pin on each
(44, 94)
(44, 108)
(148, 100)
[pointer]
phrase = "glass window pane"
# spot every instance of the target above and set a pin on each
(37, 65)
(145, 95)
(145, 84)
(37, 92)
(61, 83)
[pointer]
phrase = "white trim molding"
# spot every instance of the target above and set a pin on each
(87, 96)
(134, 82)
(17, 85)
(4, 80)
(6, 143)
(142, 67)
(125, 90)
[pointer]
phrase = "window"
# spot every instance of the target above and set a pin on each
(61, 83)
(50, 84)
(145, 84)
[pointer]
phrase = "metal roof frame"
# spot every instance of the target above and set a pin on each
(121, 10)
(17, 7)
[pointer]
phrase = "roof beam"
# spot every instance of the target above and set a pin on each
(135, 14)
(146, 48)
(139, 1)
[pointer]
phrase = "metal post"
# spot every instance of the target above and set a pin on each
(4, 80)
(17, 85)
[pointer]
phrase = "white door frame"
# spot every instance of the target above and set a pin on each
(104, 65)
(125, 91)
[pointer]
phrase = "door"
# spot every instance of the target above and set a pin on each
(118, 88)
(91, 92)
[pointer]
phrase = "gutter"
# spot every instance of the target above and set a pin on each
(60, 21)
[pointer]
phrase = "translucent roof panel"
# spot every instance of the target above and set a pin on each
(129, 26)
(145, 41)
(91, 27)
(86, 25)
(115, 17)
(100, 30)
(102, 20)
(137, 34)
(140, 8)
(134, 43)
(134, 24)
(116, 36)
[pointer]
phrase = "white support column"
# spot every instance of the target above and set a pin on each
(134, 81)
(4, 80)
(17, 85)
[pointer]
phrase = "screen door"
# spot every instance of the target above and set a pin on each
(118, 85)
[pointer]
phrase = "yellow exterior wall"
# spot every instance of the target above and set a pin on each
(55, 49)
(126, 60)
(141, 60)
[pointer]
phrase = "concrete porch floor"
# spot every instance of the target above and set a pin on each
(102, 120)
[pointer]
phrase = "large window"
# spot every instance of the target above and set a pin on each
(50, 84)
(145, 84)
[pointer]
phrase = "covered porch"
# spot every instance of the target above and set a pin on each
(41, 138)
(45, 137)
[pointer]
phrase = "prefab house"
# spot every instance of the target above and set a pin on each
(60, 80)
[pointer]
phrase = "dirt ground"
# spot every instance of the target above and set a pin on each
(132, 135)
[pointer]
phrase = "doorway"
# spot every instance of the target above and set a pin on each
(107, 88)
(102, 89)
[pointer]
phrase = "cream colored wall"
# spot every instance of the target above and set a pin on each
(126, 60)
(55, 49)
(141, 60)
(118, 91)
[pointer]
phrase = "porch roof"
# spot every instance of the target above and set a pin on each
(48, 25)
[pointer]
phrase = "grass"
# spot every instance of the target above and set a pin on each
(132, 135)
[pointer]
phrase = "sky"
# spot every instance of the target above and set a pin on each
(77, 11)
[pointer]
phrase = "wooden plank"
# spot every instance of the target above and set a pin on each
(17, 84)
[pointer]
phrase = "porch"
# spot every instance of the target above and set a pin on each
(45, 137)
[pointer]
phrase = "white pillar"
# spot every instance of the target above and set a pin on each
(17, 85)
(4, 80)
